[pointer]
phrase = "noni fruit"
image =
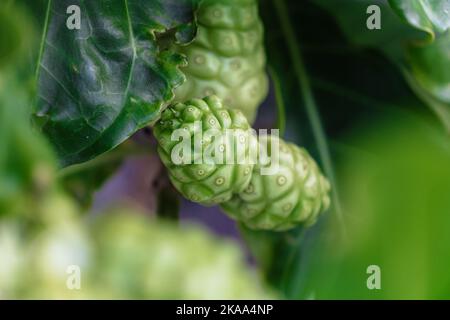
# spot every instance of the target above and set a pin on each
(142, 259)
(227, 57)
(295, 192)
(206, 148)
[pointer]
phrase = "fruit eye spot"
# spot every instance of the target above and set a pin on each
(246, 171)
(212, 121)
(199, 59)
(281, 180)
(217, 13)
(220, 180)
(287, 207)
(250, 188)
(200, 172)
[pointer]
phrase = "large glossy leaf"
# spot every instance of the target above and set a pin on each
(101, 83)
(430, 16)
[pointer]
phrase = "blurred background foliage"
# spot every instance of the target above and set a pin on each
(372, 106)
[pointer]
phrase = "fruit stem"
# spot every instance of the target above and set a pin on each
(310, 105)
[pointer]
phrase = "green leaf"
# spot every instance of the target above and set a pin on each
(27, 164)
(395, 190)
(100, 84)
(430, 16)
(16, 35)
(427, 62)
(430, 66)
(351, 15)
(350, 86)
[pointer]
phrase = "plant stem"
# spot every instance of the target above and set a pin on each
(44, 35)
(281, 113)
(310, 104)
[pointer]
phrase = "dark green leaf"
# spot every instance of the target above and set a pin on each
(351, 15)
(426, 62)
(100, 84)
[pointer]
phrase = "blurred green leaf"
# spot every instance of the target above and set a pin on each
(16, 37)
(397, 204)
(351, 86)
(428, 72)
(430, 66)
(427, 62)
(351, 15)
(430, 16)
(101, 83)
(27, 164)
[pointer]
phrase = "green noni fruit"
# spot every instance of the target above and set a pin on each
(143, 259)
(295, 192)
(227, 57)
(200, 168)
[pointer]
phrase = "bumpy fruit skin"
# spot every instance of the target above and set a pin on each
(121, 255)
(206, 183)
(227, 57)
(295, 194)
(143, 260)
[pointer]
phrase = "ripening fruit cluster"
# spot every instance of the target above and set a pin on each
(296, 192)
